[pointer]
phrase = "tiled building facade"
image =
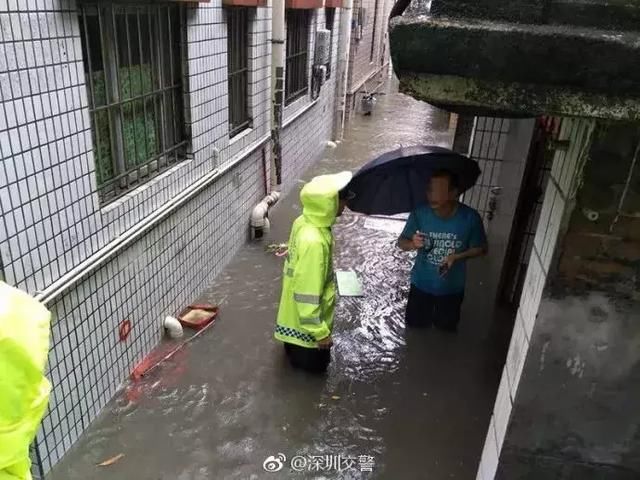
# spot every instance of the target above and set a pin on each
(135, 140)
(368, 55)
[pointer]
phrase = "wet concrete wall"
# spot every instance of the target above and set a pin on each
(523, 57)
(617, 15)
(512, 10)
(575, 412)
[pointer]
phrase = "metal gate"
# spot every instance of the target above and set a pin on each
(487, 144)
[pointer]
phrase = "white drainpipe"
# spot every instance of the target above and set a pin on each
(260, 213)
(344, 46)
(173, 327)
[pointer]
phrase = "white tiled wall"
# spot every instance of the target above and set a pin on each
(516, 355)
(307, 123)
(157, 276)
(52, 218)
(361, 64)
(560, 190)
(47, 181)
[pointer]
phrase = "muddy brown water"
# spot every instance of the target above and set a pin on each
(395, 404)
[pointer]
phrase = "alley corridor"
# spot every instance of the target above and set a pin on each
(418, 403)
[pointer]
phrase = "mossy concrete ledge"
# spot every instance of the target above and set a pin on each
(521, 68)
(467, 95)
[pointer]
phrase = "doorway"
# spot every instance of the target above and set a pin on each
(527, 213)
(501, 147)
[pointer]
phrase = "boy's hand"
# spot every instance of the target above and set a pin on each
(418, 240)
(447, 263)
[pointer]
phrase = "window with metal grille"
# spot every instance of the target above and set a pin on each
(238, 64)
(297, 80)
(330, 15)
(133, 66)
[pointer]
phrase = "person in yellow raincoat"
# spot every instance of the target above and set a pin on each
(24, 390)
(305, 314)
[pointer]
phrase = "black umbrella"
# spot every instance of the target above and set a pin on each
(396, 181)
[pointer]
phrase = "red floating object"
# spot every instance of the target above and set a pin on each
(124, 330)
(198, 316)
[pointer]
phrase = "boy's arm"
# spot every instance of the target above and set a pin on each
(471, 253)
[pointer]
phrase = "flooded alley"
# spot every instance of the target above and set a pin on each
(395, 404)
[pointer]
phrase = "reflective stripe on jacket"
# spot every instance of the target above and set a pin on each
(308, 299)
(24, 391)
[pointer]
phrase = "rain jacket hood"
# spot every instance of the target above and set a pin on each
(319, 200)
(24, 390)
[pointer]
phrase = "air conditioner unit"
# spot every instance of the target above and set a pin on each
(323, 46)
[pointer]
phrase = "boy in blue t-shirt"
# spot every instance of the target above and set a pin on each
(446, 233)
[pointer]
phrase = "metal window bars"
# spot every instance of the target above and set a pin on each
(329, 16)
(238, 64)
(133, 65)
(297, 74)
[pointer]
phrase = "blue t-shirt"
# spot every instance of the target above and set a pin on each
(444, 236)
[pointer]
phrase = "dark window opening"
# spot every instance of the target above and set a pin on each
(330, 15)
(238, 64)
(297, 80)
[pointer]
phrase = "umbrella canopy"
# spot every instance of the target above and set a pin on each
(396, 181)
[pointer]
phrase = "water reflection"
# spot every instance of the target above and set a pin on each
(219, 409)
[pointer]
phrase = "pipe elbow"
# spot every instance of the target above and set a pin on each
(259, 216)
(259, 213)
(273, 198)
(173, 326)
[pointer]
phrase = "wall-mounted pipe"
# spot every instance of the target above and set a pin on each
(173, 326)
(344, 46)
(260, 215)
(278, 38)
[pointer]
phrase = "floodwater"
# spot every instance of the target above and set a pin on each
(395, 404)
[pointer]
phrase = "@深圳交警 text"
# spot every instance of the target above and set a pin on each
(319, 463)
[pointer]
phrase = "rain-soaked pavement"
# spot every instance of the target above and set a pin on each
(418, 403)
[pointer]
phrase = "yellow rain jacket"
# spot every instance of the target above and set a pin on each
(308, 296)
(24, 391)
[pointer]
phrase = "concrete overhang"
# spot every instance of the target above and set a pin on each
(516, 69)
